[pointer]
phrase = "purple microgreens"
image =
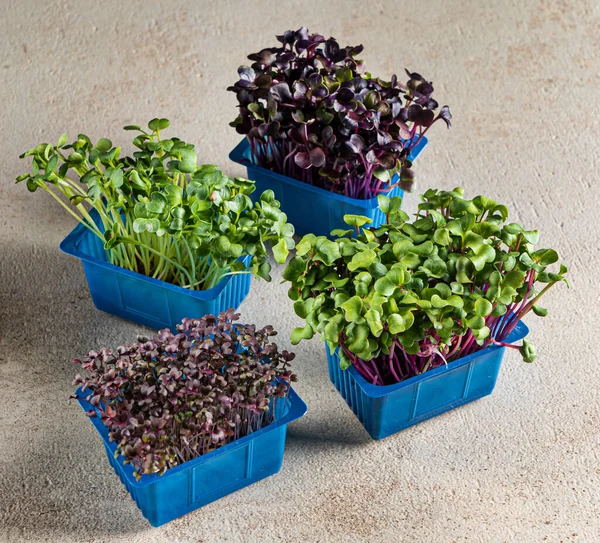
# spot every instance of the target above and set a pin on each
(309, 111)
(174, 397)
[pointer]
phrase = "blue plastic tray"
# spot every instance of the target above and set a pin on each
(142, 299)
(196, 483)
(309, 208)
(385, 410)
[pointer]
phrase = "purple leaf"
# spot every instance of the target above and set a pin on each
(303, 160)
(371, 157)
(281, 91)
(317, 157)
(414, 75)
(355, 143)
(445, 115)
(143, 391)
(246, 73)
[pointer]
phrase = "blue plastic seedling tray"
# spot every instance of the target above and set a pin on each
(310, 208)
(196, 483)
(385, 410)
(142, 299)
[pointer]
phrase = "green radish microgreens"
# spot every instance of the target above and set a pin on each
(408, 297)
(160, 213)
(174, 397)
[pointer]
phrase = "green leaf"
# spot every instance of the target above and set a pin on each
(424, 248)
(280, 251)
(116, 178)
(157, 203)
(362, 259)
(473, 241)
(298, 334)
(264, 271)
(52, 163)
(396, 276)
(483, 307)
(499, 310)
(257, 110)
(62, 140)
(481, 334)
(103, 145)
(77, 199)
(330, 250)
(539, 311)
(507, 295)
(173, 195)
(305, 244)
(434, 267)
(176, 224)
(357, 220)
(411, 260)
(331, 331)
(223, 244)
(377, 269)
(477, 322)
(384, 286)
(363, 277)
(345, 362)
(383, 175)
(139, 225)
(399, 322)
(532, 236)
(509, 262)
(374, 321)
(111, 240)
(343, 74)
(545, 257)
(158, 124)
(152, 225)
(353, 308)
(302, 308)
(442, 236)
(438, 302)
(455, 227)
(457, 287)
(338, 232)
(467, 222)
(514, 279)
(389, 205)
(528, 351)
(484, 254)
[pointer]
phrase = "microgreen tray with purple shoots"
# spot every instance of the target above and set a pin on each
(310, 111)
(174, 397)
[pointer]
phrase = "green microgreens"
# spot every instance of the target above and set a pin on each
(410, 296)
(160, 213)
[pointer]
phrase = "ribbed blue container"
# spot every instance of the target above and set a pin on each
(313, 209)
(142, 299)
(386, 410)
(196, 483)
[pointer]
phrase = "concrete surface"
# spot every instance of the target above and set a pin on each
(522, 79)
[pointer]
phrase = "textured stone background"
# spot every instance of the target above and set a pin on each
(522, 80)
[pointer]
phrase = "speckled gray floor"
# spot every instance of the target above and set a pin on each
(522, 79)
